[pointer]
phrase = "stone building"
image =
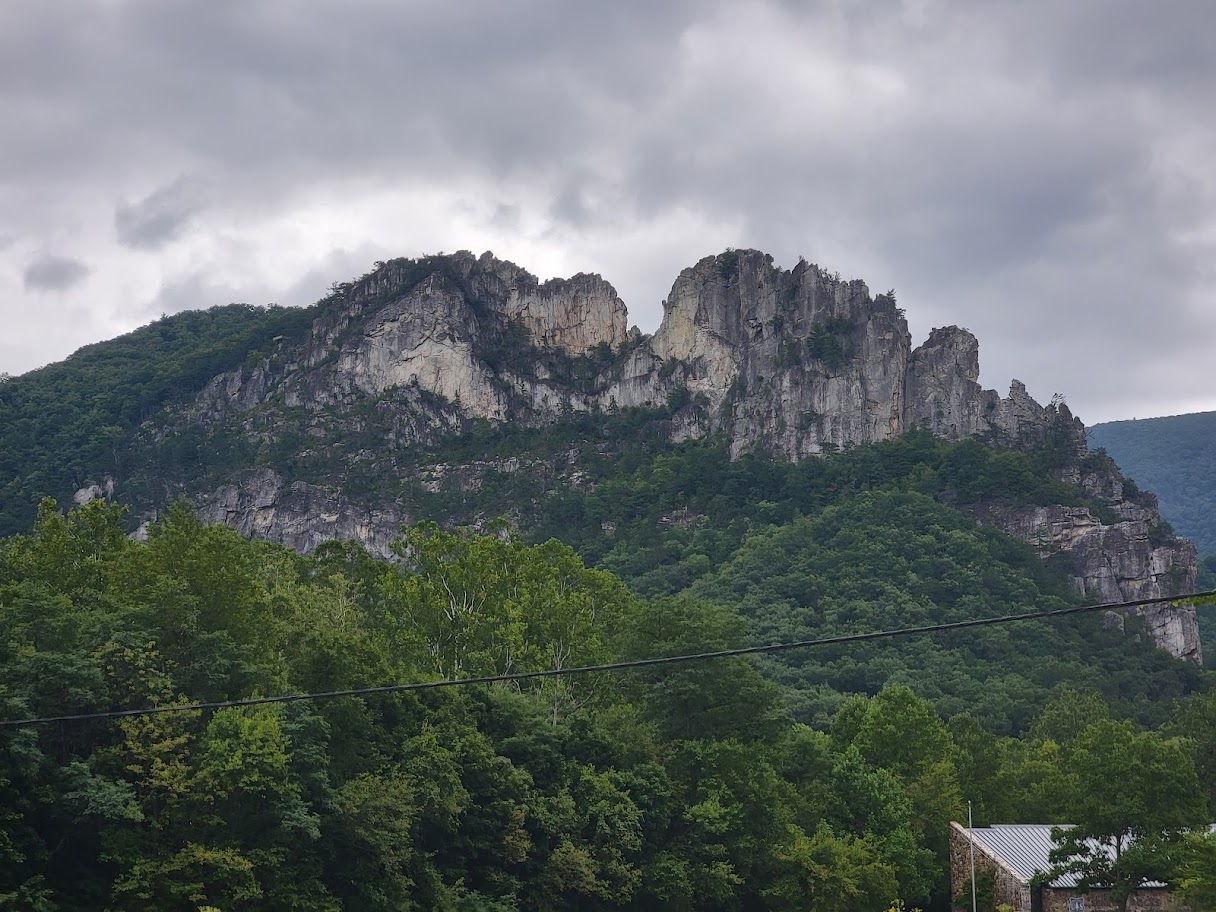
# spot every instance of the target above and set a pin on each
(1015, 853)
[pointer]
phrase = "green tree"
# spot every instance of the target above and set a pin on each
(826, 873)
(469, 604)
(1196, 875)
(1195, 720)
(1137, 796)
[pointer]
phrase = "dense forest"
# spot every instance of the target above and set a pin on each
(890, 526)
(675, 788)
(1175, 458)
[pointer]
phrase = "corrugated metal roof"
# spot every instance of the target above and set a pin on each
(1025, 848)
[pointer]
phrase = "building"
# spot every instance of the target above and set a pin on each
(1015, 853)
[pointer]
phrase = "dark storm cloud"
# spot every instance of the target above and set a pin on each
(1032, 170)
(54, 273)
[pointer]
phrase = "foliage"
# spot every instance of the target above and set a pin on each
(674, 787)
(1197, 872)
(830, 342)
(619, 792)
(727, 264)
(1136, 796)
(1205, 581)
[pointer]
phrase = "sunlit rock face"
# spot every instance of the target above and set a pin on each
(788, 361)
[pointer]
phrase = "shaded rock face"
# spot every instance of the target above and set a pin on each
(1118, 562)
(943, 390)
(300, 515)
(792, 362)
(944, 397)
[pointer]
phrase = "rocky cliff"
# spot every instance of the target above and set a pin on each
(791, 362)
(1128, 556)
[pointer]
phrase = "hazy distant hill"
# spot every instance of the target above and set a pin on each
(1176, 458)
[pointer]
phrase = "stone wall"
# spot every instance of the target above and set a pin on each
(1011, 890)
(1146, 900)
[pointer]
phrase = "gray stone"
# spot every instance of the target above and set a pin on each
(793, 362)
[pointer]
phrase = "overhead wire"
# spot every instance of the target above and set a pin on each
(608, 666)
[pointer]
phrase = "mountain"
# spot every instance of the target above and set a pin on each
(1176, 458)
(460, 388)
(450, 469)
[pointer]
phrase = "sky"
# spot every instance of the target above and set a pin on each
(1036, 171)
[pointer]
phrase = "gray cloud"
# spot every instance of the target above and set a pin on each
(54, 273)
(161, 216)
(1036, 171)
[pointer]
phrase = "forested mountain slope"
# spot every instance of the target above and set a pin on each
(70, 423)
(459, 388)
(788, 362)
(1175, 458)
(674, 788)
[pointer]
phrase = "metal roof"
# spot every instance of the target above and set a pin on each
(1024, 847)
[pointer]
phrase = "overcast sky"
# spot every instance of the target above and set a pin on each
(1038, 171)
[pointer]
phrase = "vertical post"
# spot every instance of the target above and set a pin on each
(971, 851)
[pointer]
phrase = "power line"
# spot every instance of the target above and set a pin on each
(610, 666)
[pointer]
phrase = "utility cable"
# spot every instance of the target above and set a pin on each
(609, 666)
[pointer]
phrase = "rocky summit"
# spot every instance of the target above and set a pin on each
(792, 363)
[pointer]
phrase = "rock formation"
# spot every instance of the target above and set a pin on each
(301, 516)
(792, 362)
(1116, 562)
(789, 362)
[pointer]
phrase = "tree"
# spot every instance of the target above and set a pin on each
(492, 605)
(1137, 797)
(716, 700)
(1195, 720)
(1197, 872)
(826, 873)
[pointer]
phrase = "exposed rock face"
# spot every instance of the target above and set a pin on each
(944, 394)
(791, 362)
(1120, 562)
(92, 492)
(300, 515)
(796, 362)
(571, 314)
(944, 397)
(432, 330)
